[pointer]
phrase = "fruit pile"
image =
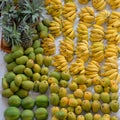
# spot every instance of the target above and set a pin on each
(80, 81)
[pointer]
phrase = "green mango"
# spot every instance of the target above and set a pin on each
(12, 113)
(29, 63)
(54, 88)
(60, 115)
(71, 116)
(105, 108)
(46, 22)
(36, 44)
(27, 115)
(55, 74)
(36, 86)
(36, 77)
(22, 93)
(40, 26)
(86, 105)
(19, 69)
(22, 60)
(16, 47)
(114, 105)
(96, 106)
(14, 87)
(17, 54)
(31, 55)
(47, 61)
(10, 76)
(18, 80)
(88, 116)
(39, 50)
(65, 76)
(105, 97)
(36, 68)
(7, 93)
(8, 58)
(11, 66)
(39, 59)
(27, 85)
(54, 99)
(5, 84)
(29, 50)
(28, 72)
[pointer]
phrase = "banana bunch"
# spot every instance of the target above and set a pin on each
(82, 32)
(114, 20)
(86, 15)
(55, 27)
(97, 33)
(102, 17)
(114, 4)
(92, 70)
(67, 49)
(111, 51)
(54, 8)
(69, 11)
(68, 29)
(99, 4)
(97, 49)
(83, 1)
(68, 1)
(112, 35)
(48, 45)
(111, 69)
(77, 67)
(82, 50)
(60, 63)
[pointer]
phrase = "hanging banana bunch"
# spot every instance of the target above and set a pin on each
(102, 17)
(60, 63)
(55, 27)
(48, 45)
(97, 33)
(99, 4)
(69, 11)
(114, 4)
(111, 51)
(86, 15)
(54, 8)
(83, 1)
(67, 49)
(77, 67)
(68, 29)
(111, 69)
(92, 70)
(112, 35)
(82, 32)
(97, 51)
(82, 50)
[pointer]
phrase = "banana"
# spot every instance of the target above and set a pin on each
(83, 1)
(114, 3)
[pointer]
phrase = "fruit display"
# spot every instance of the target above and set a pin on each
(63, 59)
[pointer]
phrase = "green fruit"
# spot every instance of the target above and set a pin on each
(62, 92)
(22, 60)
(14, 87)
(107, 89)
(47, 60)
(36, 44)
(88, 116)
(54, 99)
(96, 116)
(42, 101)
(22, 93)
(35, 37)
(43, 86)
(29, 63)
(28, 72)
(70, 109)
(60, 115)
(14, 101)
(36, 77)
(31, 55)
(105, 82)
(10, 76)
(96, 96)
(105, 97)
(71, 116)
(16, 47)
(46, 22)
(36, 86)
(96, 106)
(17, 54)
(114, 105)
(44, 77)
(28, 103)
(80, 117)
(24, 77)
(27, 85)
(19, 69)
(54, 110)
(12, 113)
(39, 59)
(29, 50)
(52, 80)
(55, 74)
(44, 71)
(73, 86)
(114, 96)
(40, 26)
(86, 105)
(105, 108)
(39, 50)
(64, 101)
(18, 80)
(98, 89)
(73, 102)
(113, 118)
(8, 58)
(36, 68)
(78, 93)
(88, 82)
(81, 79)
(65, 76)
(63, 83)
(114, 88)
(78, 110)
(41, 114)
(7, 93)
(11, 66)
(54, 88)
(5, 84)
(27, 115)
